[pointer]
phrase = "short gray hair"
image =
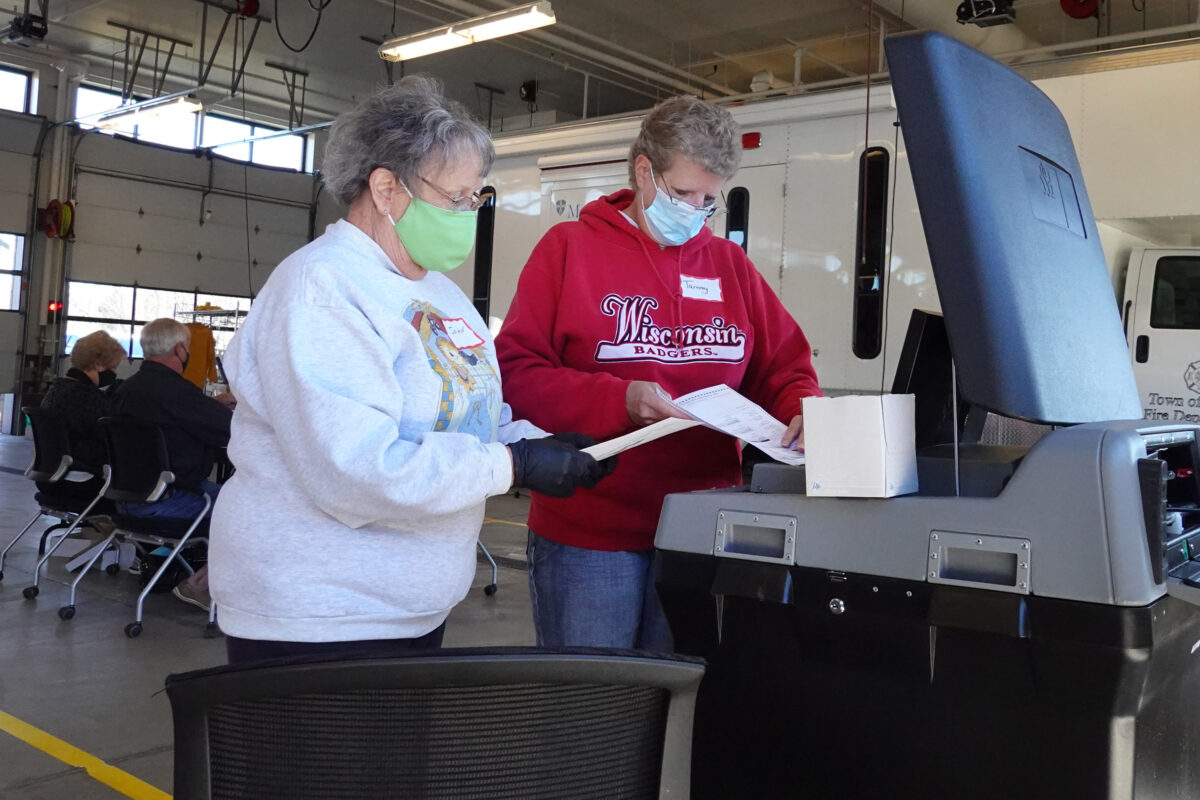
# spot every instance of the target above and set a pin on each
(160, 336)
(96, 349)
(692, 128)
(403, 127)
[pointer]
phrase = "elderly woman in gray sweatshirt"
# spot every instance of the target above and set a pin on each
(370, 426)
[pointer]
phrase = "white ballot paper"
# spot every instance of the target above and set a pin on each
(718, 407)
(729, 412)
(657, 430)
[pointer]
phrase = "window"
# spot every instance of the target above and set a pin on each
(279, 151)
(124, 310)
(870, 252)
(737, 223)
(218, 130)
(16, 90)
(485, 234)
(89, 102)
(187, 131)
(1176, 301)
(287, 150)
(151, 304)
(228, 313)
(173, 130)
(12, 251)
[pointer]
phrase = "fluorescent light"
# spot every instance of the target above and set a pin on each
(469, 31)
(422, 44)
(514, 20)
(157, 108)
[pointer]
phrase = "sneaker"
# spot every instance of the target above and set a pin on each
(197, 598)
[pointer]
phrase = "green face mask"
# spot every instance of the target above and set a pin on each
(437, 239)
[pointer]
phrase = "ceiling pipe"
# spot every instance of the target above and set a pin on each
(511, 44)
(1100, 41)
(662, 73)
(939, 15)
(662, 66)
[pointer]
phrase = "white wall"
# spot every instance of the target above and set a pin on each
(1135, 132)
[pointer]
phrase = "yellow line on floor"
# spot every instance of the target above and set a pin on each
(107, 774)
(503, 522)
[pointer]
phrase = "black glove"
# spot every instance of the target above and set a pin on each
(582, 440)
(552, 467)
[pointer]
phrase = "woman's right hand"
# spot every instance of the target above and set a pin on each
(647, 403)
(554, 467)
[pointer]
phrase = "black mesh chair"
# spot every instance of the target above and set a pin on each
(73, 504)
(451, 724)
(139, 471)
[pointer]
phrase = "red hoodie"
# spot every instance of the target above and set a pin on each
(601, 304)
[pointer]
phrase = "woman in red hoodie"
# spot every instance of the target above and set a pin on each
(637, 299)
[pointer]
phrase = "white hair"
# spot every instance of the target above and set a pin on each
(160, 336)
(689, 127)
(406, 128)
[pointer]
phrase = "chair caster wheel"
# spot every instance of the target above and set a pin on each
(30, 592)
(211, 631)
(490, 589)
(66, 612)
(112, 569)
(133, 630)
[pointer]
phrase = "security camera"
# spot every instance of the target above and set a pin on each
(985, 13)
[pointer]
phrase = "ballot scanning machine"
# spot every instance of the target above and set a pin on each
(1035, 635)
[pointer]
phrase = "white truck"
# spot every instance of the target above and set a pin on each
(851, 270)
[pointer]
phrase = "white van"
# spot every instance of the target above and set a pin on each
(824, 205)
(1162, 325)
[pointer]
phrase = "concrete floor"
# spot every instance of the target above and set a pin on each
(85, 683)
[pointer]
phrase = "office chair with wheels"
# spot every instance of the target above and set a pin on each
(464, 724)
(490, 589)
(139, 471)
(74, 504)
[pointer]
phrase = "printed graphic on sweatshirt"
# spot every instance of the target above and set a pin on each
(637, 337)
(471, 399)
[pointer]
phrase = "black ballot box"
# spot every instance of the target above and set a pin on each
(824, 684)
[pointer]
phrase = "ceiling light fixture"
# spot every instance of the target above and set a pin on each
(176, 103)
(469, 31)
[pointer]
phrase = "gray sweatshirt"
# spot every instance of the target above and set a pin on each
(368, 433)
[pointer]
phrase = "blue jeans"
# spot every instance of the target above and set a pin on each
(595, 598)
(178, 504)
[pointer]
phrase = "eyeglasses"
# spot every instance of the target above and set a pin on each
(707, 210)
(471, 202)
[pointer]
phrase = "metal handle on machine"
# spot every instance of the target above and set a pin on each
(980, 560)
(755, 537)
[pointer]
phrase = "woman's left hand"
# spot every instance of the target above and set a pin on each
(793, 437)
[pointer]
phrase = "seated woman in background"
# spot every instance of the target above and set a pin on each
(79, 398)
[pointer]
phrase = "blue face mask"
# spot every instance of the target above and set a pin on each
(672, 223)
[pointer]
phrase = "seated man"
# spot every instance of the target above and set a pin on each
(194, 425)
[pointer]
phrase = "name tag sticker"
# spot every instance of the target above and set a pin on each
(701, 288)
(461, 334)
